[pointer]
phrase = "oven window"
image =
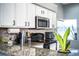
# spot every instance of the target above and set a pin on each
(42, 23)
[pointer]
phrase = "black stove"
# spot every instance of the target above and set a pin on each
(37, 37)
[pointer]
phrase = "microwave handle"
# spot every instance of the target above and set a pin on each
(48, 23)
(25, 23)
(28, 23)
(42, 12)
(13, 22)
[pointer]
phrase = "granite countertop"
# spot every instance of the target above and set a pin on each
(31, 51)
(28, 51)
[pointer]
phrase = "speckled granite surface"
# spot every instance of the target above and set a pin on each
(27, 51)
(16, 51)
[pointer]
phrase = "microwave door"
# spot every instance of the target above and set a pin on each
(40, 23)
(44, 23)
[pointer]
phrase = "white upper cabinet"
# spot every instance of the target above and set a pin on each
(31, 16)
(7, 14)
(52, 18)
(21, 14)
(41, 11)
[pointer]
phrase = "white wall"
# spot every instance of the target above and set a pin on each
(59, 11)
(71, 11)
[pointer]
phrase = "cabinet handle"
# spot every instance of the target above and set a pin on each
(28, 23)
(25, 23)
(42, 12)
(13, 22)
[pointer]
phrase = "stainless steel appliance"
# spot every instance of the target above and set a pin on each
(41, 22)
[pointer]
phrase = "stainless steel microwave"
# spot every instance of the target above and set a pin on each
(41, 22)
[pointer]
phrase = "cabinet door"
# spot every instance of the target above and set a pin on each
(50, 16)
(21, 14)
(54, 20)
(41, 11)
(7, 14)
(31, 16)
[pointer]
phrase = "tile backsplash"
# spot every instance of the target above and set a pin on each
(4, 32)
(36, 31)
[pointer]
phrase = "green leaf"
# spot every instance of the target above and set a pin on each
(59, 38)
(68, 46)
(63, 41)
(66, 37)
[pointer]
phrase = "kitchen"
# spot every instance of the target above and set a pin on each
(24, 25)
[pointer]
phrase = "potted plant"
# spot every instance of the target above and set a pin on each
(64, 43)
